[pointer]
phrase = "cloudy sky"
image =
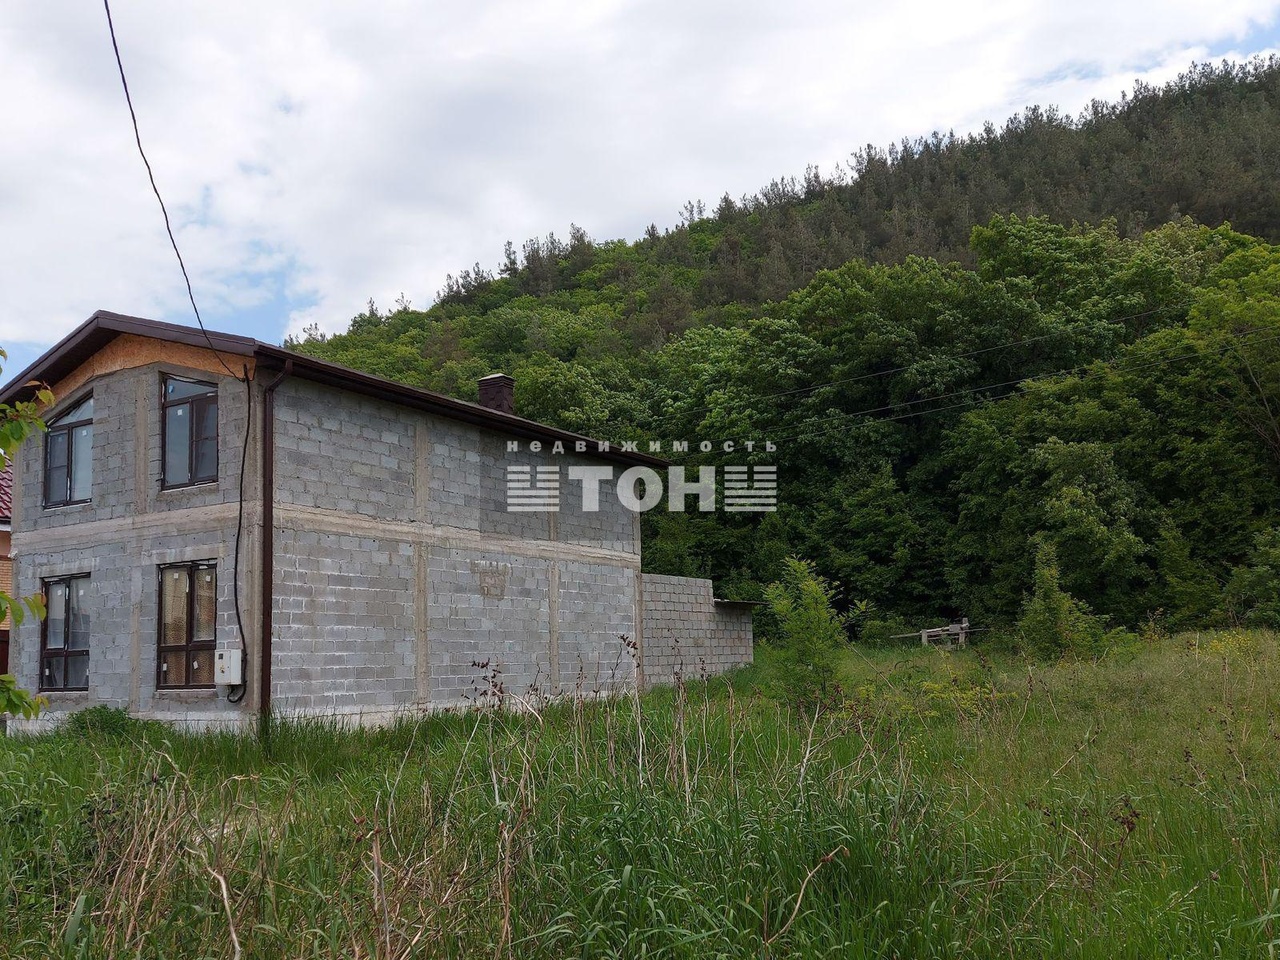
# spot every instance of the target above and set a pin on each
(315, 154)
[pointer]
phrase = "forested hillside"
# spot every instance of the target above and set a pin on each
(955, 374)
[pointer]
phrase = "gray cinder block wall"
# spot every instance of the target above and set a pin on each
(120, 538)
(688, 632)
(401, 581)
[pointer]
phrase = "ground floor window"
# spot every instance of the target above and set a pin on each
(188, 614)
(64, 643)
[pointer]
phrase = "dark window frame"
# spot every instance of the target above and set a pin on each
(192, 646)
(55, 429)
(64, 653)
(193, 403)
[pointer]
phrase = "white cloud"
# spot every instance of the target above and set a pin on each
(320, 153)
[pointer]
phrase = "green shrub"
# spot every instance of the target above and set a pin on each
(1054, 623)
(1187, 591)
(1253, 592)
(809, 630)
(104, 721)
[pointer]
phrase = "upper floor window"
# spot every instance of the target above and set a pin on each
(190, 432)
(64, 647)
(68, 457)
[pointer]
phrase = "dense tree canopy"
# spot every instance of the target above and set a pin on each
(956, 380)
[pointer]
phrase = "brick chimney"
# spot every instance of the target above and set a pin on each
(498, 392)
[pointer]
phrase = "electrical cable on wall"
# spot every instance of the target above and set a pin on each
(236, 695)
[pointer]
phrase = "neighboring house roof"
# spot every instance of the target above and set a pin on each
(103, 327)
(6, 494)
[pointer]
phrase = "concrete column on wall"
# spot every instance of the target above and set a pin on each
(421, 563)
(143, 501)
(553, 624)
(135, 644)
(639, 637)
(553, 607)
(421, 640)
(422, 473)
(144, 492)
(251, 585)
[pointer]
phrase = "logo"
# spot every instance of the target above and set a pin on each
(537, 488)
(533, 489)
(750, 489)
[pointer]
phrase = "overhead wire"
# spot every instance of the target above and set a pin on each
(810, 388)
(137, 137)
(236, 695)
(1018, 384)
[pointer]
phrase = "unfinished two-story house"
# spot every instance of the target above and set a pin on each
(222, 528)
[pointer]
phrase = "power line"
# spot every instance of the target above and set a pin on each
(244, 453)
(156, 190)
(1017, 383)
(1007, 383)
(902, 369)
(972, 401)
(865, 376)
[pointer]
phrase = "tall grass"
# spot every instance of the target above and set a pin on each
(946, 805)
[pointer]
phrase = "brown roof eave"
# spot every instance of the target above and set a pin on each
(332, 374)
(99, 330)
(104, 326)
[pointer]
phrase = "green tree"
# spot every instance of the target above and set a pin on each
(1054, 623)
(990, 372)
(1253, 592)
(554, 391)
(1187, 590)
(809, 630)
(17, 422)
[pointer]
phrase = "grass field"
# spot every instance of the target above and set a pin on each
(950, 805)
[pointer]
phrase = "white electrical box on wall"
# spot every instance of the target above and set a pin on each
(226, 668)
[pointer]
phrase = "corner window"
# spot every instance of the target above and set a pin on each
(68, 457)
(189, 432)
(188, 613)
(64, 642)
